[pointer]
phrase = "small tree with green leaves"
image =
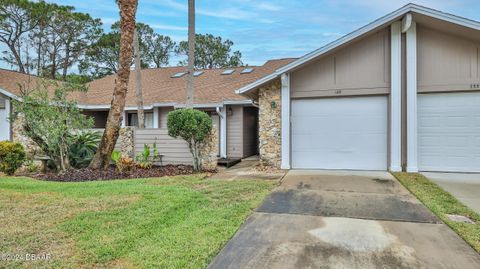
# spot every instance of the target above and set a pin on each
(192, 126)
(48, 117)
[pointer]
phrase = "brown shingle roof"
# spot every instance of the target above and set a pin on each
(158, 85)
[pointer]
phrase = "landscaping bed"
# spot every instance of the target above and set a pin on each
(86, 174)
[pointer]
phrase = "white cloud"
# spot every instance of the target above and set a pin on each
(168, 27)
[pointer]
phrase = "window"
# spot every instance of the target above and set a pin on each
(132, 119)
(228, 72)
(197, 73)
(247, 70)
(179, 74)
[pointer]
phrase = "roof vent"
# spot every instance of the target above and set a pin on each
(228, 72)
(247, 70)
(197, 73)
(179, 74)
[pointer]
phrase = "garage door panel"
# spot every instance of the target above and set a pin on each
(341, 133)
(449, 132)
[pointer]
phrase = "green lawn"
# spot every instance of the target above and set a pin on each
(441, 203)
(178, 222)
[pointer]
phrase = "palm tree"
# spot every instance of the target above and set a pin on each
(128, 8)
(191, 51)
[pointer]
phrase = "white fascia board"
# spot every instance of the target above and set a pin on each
(385, 20)
(241, 102)
(9, 94)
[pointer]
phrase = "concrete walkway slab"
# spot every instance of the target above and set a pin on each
(245, 170)
(299, 241)
(344, 219)
(465, 187)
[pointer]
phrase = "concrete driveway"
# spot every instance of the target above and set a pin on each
(465, 187)
(329, 219)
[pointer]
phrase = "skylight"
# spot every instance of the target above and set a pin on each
(197, 73)
(179, 74)
(228, 72)
(247, 70)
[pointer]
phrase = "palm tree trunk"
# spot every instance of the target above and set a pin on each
(138, 81)
(191, 51)
(101, 159)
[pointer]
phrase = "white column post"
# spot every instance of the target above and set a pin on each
(8, 111)
(155, 117)
(223, 131)
(412, 151)
(396, 98)
(124, 120)
(285, 106)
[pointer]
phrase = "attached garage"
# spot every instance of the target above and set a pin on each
(449, 132)
(340, 133)
(399, 94)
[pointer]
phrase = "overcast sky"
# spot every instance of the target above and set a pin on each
(266, 29)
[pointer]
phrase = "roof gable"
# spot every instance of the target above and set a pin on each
(373, 26)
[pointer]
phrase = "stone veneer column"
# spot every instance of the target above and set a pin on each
(270, 124)
(127, 141)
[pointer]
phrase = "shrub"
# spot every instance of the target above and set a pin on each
(116, 155)
(125, 164)
(143, 159)
(12, 156)
(192, 126)
(82, 147)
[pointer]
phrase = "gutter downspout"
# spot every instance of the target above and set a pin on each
(223, 131)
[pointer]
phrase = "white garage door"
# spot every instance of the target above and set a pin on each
(449, 132)
(340, 133)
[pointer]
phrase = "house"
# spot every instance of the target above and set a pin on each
(401, 93)
(234, 116)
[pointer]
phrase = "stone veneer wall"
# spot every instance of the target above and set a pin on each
(126, 140)
(209, 150)
(17, 136)
(270, 124)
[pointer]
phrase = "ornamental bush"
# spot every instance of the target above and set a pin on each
(192, 126)
(12, 156)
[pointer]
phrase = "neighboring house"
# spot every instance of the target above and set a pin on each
(401, 93)
(234, 116)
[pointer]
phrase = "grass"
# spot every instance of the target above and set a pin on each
(441, 203)
(177, 222)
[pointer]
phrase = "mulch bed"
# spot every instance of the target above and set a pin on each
(86, 174)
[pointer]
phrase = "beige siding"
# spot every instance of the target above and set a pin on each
(446, 62)
(360, 68)
(235, 132)
(175, 151)
(250, 133)
(162, 117)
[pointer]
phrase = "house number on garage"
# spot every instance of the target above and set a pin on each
(475, 86)
(338, 91)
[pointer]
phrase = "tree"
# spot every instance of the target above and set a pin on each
(158, 49)
(17, 19)
(102, 57)
(138, 81)
(211, 52)
(101, 159)
(71, 33)
(50, 125)
(191, 51)
(192, 126)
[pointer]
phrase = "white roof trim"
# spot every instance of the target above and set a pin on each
(359, 32)
(9, 94)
